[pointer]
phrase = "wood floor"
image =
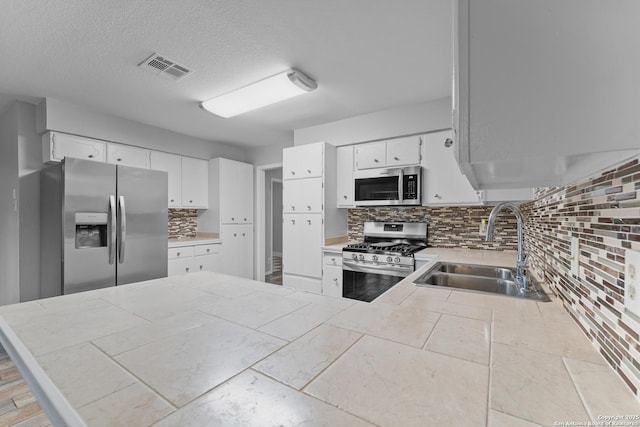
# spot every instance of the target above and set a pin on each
(18, 406)
(276, 275)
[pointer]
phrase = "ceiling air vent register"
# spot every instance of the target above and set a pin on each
(165, 67)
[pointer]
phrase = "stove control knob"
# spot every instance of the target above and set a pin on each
(397, 259)
(361, 257)
(375, 257)
(354, 256)
(389, 259)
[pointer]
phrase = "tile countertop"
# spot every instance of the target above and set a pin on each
(210, 349)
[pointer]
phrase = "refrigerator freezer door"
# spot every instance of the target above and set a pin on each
(87, 190)
(142, 199)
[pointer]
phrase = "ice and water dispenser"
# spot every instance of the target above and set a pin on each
(91, 230)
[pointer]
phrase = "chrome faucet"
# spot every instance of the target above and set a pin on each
(522, 278)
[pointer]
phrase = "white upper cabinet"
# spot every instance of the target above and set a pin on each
(304, 161)
(403, 151)
(195, 183)
(344, 179)
(443, 182)
(303, 196)
(118, 154)
(236, 192)
(172, 164)
(56, 146)
(392, 153)
(371, 155)
(544, 90)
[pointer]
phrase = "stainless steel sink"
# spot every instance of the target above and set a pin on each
(480, 278)
(476, 270)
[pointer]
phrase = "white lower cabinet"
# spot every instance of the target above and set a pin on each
(332, 274)
(301, 245)
(237, 252)
(198, 257)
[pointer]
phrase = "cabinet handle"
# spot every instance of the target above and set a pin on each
(187, 269)
(233, 219)
(309, 170)
(234, 234)
(293, 208)
(309, 221)
(177, 253)
(119, 159)
(293, 173)
(335, 279)
(208, 250)
(293, 221)
(333, 260)
(190, 201)
(172, 200)
(437, 196)
(345, 197)
(308, 207)
(245, 219)
(91, 156)
(200, 267)
(376, 160)
(395, 158)
(448, 142)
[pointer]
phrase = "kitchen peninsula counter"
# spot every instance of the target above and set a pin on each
(210, 349)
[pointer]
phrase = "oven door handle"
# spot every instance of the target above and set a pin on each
(395, 270)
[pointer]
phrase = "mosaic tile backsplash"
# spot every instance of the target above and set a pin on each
(449, 227)
(603, 213)
(183, 223)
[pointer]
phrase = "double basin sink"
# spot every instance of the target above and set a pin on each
(480, 278)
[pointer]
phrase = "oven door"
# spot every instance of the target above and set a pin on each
(366, 283)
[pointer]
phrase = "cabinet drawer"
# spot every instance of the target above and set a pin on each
(182, 252)
(334, 259)
(332, 281)
(179, 266)
(207, 249)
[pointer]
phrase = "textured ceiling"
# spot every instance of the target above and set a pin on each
(365, 55)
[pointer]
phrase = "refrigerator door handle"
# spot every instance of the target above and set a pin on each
(122, 218)
(111, 243)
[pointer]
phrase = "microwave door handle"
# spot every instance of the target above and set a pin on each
(400, 184)
(122, 218)
(111, 225)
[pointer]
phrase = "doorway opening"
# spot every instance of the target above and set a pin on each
(269, 223)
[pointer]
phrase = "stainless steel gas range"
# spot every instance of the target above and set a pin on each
(385, 256)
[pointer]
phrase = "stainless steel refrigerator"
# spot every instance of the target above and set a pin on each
(101, 225)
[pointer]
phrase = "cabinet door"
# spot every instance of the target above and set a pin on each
(371, 155)
(292, 195)
(172, 164)
(228, 192)
(57, 146)
(128, 156)
(195, 183)
(303, 161)
(179, 266)
(443, 183)
(302, 196)
(244, 197)
(291, 244)
(332, 281)
(344, 180)
(404, 151)
(311, 243)
(207, 263)
(237, 250)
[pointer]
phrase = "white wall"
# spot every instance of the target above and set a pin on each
(268, 155)
(56, 115)
(407, 120)
(29, 164)
(9, 220)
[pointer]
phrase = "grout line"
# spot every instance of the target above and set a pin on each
(435, 325)
(489, 383)
(575, 386)
(134, 376)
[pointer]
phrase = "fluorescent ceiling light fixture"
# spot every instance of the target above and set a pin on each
(259, 94)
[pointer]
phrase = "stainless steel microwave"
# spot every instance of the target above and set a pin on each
(392, 186)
